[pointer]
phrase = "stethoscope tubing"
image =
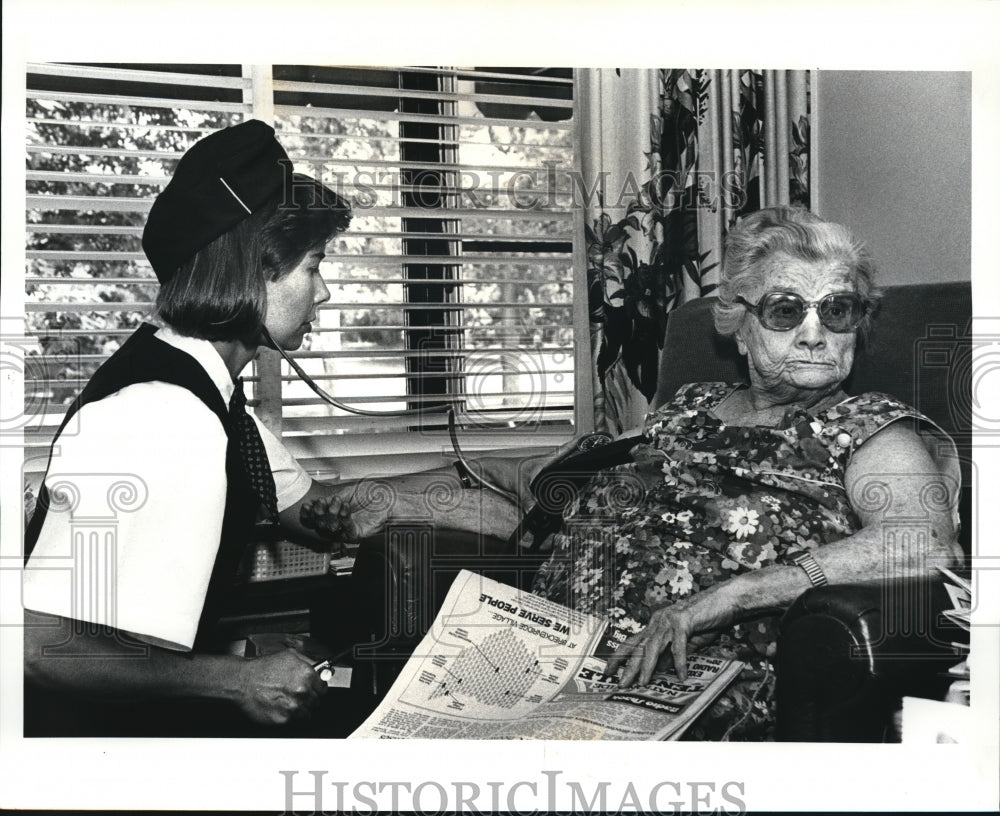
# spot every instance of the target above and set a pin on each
(320, 392)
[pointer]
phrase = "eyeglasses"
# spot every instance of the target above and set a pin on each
(840, 312)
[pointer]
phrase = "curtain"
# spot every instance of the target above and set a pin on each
(671, 158)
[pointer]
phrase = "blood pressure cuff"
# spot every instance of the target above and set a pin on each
(555, 486)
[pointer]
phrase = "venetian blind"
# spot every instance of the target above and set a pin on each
(454, 284)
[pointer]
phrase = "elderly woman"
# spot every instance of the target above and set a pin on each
(742, 496)
(739, 497)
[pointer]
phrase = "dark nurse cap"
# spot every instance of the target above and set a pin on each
(221, 180)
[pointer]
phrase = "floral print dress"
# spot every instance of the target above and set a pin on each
(701, 503)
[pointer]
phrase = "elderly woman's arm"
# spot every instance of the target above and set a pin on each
(891, 478)
(357, 509)
(360, 508)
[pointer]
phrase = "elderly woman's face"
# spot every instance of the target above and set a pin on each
(808, 357)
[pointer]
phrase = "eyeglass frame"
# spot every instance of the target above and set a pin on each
(756, 308)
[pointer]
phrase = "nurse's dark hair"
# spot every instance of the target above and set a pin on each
(220, 293)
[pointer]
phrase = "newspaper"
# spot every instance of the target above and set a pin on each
(500, 663)
(960, 594)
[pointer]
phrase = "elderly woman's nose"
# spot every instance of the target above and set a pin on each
(811, 332)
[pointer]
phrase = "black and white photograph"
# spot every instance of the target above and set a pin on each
(625, 430)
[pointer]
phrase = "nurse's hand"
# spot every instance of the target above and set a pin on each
(279, 687)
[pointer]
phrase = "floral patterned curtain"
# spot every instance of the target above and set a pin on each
(672, 157)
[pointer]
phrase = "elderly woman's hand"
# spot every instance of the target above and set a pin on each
(341, 517)
(668, 627)
(327, 516)
(681, 625)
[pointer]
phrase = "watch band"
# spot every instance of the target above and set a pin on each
(811, 568)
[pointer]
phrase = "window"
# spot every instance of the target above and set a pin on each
(454, 285)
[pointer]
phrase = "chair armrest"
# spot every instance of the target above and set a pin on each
(848, 653)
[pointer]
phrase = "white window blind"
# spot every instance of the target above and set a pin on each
(454, 284)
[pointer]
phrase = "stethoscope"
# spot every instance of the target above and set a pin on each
(465, 469)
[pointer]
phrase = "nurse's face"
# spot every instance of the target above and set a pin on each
(293, 300)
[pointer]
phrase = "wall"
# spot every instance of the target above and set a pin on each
(892, 161)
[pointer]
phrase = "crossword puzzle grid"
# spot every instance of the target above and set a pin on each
(498, 673)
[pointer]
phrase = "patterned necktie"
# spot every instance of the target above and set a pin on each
(252, 452)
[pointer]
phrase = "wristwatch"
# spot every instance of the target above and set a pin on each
(811, 568)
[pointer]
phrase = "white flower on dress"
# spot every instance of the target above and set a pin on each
(742, 522)
(682, 582)
(771, 502)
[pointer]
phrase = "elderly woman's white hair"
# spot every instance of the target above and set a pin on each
(793, 231)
